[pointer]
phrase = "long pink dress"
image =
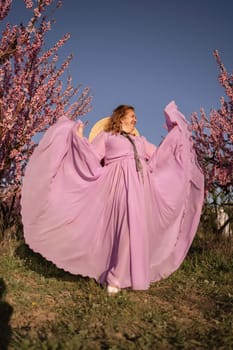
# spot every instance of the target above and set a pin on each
(110, 222)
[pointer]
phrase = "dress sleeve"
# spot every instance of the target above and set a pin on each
(149, 148)
(99, 144)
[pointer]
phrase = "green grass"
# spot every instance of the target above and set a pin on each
(46, 308)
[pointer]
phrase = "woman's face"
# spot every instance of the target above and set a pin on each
(129, 121)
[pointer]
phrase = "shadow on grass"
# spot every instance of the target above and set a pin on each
(6, 311)
(37, 263)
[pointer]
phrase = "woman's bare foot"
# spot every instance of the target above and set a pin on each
(113, 290)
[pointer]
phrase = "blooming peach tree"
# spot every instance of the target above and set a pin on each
(32, 93)
(213, 137)
(213, 142)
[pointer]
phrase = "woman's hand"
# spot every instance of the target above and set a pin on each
(80, 128)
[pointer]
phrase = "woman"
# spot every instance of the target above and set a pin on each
(116, 209)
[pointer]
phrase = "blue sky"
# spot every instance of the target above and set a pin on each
(144, 53)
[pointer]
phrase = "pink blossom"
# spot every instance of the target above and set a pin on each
(4, 8)
(28, 4)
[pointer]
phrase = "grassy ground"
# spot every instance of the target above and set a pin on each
(42, 307)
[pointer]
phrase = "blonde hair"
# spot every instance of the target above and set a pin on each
(115, 120)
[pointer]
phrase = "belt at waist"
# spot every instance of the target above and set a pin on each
(108, 161)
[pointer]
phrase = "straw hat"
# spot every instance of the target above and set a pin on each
(102, 125)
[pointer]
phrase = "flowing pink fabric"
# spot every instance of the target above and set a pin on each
(108, 222)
